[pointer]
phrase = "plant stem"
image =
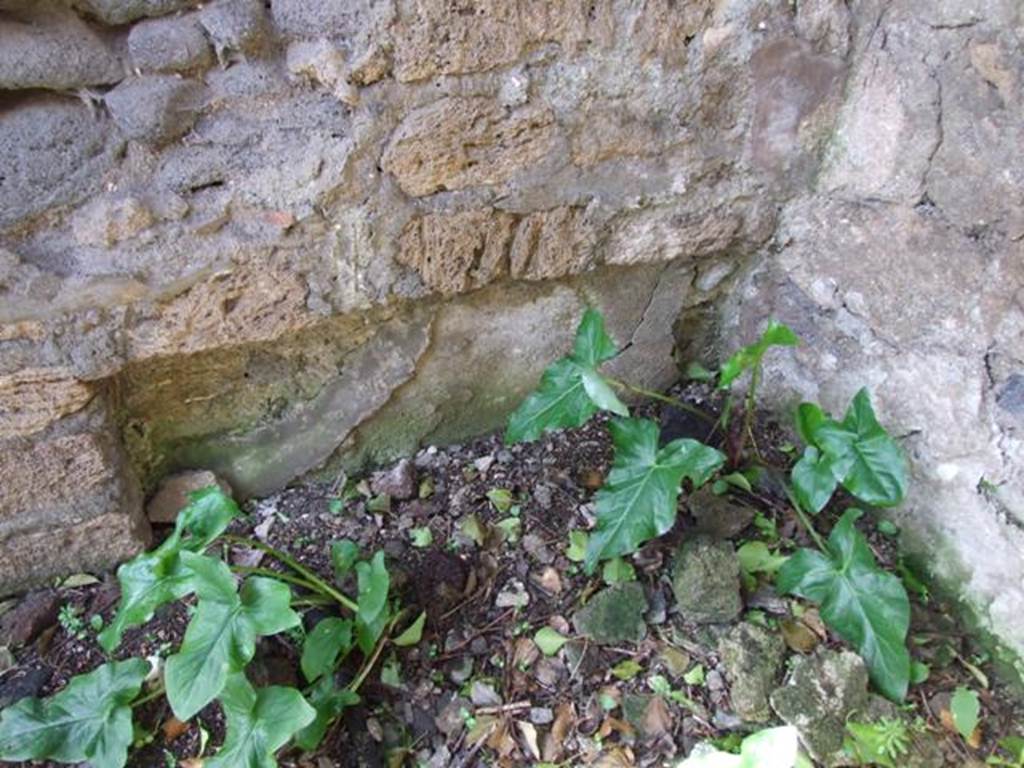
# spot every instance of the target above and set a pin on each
(296, 580)
(318, 584)
(673, 401)
(805, 521)
(154, 694)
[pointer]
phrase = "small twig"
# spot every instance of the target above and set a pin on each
(497, 710)
(802, 517)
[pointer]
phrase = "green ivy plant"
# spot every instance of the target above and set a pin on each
(863, 604)
(91, 718)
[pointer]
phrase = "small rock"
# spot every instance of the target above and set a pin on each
(820, 693)
(548, 580)
(483, 694)
(234, 25)
(505, 456)
(718, 516)
(549, 671)
(450, 720)
(614, 615)
(172, 495)
(460, 670)
(535, 547)
(706, 581)
(321, 61)
(175, 44)
(23, 623)
(513, 596)
(727, 721)
(155, 108)
(542, 495)
(752, 656)
(399, 482)
(541, 715)
(483, 464)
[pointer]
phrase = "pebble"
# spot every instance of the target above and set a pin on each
(513, 596)
(541, 715)
(483, 694)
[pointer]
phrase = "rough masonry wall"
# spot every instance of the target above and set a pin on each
(275, 238)
(902, 268)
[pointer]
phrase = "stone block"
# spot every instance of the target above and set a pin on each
(460, 142)
(174, 44)
(68, 503)
(123, 11)
(53, 150)
(235, 25)
(155, 109)
(33, 398)
(45, 46)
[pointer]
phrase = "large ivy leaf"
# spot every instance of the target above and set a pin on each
(259, 722)
(158, 577)
(775, 335)
(372, 614)
(638, 500)
(571, 390)
(330, 638)
(328, 700)
(221, 638)
(91, 719)
(861, 454)
(863, 604)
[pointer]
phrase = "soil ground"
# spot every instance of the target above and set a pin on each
(476, 690)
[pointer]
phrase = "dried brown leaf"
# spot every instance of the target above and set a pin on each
(657, 718)
(173, 728)
(798, 636)
(554, 744)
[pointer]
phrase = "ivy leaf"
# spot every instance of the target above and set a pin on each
(259, 722)
(638, 501)
(571, 390)
(344, 553)
(863, 604)
(330, 638)
(814, 480)
(775, 335)
(90, 720)
(158, 577)
(592, 345)
(413, 633)
(965, 709)
(329, 701)
(372, 615)
(864, 457)
(221, 638)
(549, 641)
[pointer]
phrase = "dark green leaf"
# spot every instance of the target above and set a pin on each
(571, 390)
(259, 722)
(814, 480)
(775, 335)
(372, 616)
(328, 700)
(221, 638)
(344, 554)
(863, 604)
(809, 417)
(592, 345)
(868, 462)
(155, 578)
(413, 633)
(330, 639)
(638, 501)
(91, 719)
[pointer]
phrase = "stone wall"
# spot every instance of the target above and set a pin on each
(275, 238)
